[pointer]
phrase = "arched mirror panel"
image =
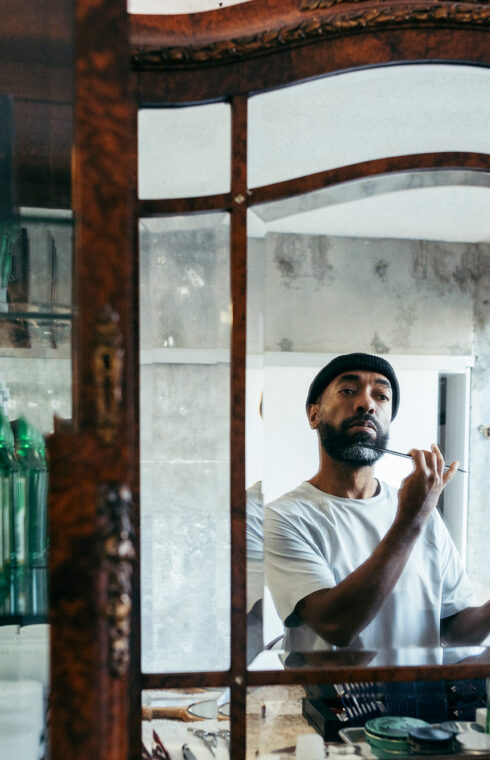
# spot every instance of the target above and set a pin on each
(367, 114)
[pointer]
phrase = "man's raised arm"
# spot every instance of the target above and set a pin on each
(338, 614)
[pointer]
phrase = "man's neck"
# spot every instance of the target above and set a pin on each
(343, 479)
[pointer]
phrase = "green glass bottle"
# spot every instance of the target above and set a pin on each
(37, 532)
(11, 508)
(30, 452)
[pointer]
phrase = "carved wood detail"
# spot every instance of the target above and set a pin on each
(108, 364)
(114, 512)
(315, 5)
(351, 19)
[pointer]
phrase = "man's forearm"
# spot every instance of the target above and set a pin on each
(467, 627)
(338, 614)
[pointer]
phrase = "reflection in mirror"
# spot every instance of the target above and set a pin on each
(374, 285)
(196, 719)
(185, 392)
(297, 720)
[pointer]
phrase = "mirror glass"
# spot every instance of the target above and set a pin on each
(399, 266)
(366, 114)
(185, 400)
(184, 151)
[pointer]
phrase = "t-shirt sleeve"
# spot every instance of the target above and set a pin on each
(457, 592)
(294, 568)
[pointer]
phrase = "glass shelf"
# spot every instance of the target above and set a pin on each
(23, 620)
(38, 316)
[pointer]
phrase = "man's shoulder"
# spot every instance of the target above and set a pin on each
(301, 495)
(390, 492)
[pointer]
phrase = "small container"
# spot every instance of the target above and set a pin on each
(430, 741)
(388, 736)
(310, 747)
(473, 743)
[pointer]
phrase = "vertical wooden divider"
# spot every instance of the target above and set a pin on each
(92, 468)
(135, 675)
(237, 433)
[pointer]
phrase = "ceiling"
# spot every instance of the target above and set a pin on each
(450, 213)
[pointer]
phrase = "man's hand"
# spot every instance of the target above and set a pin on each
(420, 491)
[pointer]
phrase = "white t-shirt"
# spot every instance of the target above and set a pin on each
(314, 540)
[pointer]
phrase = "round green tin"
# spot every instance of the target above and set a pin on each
(388, 736)
(393, 727)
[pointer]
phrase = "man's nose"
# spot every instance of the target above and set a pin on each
(365, 402)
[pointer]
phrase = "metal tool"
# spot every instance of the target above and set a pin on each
(187, 753)
(158, 750)
(224, 733)
(399, 454)
(207, 737)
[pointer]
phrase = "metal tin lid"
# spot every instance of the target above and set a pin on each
(430, 735)
(473, 742)
(430, 741)
(458, 726)
(393, 727)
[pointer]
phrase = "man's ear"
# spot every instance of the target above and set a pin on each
(312, 413)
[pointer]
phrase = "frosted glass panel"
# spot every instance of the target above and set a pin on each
(368, 114)
(184, 151)
(185, 399)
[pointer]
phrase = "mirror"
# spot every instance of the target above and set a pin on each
(185, 461)
(396, 265)
(428, 271)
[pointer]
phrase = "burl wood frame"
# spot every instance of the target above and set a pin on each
(260, 45)
(121, 63)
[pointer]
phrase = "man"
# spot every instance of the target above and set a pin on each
(351, 561)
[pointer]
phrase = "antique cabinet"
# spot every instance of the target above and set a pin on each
(78, 75)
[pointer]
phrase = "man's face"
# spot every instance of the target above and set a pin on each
(355, 408)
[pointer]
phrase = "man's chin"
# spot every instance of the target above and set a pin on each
(360, 455)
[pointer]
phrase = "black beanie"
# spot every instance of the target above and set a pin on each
(347, 362)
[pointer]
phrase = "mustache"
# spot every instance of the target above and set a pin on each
(346, 424)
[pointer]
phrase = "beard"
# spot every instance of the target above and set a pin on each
(348, 447)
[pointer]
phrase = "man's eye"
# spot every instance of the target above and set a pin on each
(346, 390)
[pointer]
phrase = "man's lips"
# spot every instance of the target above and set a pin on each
(363, 425)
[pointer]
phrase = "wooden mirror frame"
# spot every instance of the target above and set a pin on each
(252, 47)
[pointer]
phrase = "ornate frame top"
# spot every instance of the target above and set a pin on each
(262, 26)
